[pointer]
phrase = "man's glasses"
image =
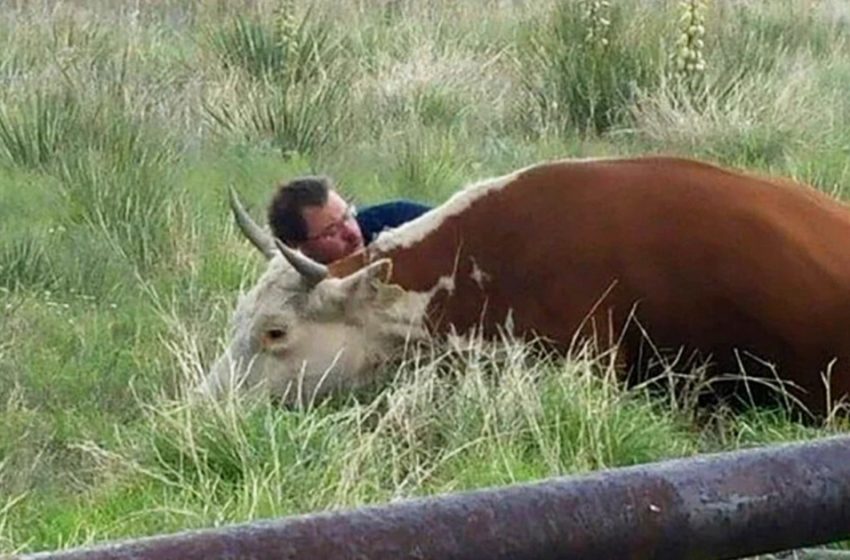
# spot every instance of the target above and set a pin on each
(332, 230)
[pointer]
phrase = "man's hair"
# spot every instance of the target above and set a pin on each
(285, 211)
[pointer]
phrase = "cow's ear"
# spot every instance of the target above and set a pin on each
(368, 281)
(381, 271)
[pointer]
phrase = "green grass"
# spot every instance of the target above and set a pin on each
(119, 264)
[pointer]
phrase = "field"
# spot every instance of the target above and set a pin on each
(123, 123)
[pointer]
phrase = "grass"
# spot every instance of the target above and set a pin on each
(121, 126)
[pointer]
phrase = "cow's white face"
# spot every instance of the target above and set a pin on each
(299, 341)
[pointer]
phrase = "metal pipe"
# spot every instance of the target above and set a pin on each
(725, 505)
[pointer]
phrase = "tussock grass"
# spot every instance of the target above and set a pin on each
(576, 82)
(285, 48)
(33, 135)
(763, 34)
(293, 118)
(24, 263)
(296, 97)
(473, 412)
(436, 89)
(761, 120)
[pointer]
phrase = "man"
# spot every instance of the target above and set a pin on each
(308, 214)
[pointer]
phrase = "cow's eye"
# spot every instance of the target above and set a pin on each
(275, 334)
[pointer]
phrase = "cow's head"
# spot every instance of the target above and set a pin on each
(302, 331)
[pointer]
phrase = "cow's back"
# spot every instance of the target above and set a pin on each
(701, 257)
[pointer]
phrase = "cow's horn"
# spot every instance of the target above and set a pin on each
(311, 270)
(255, 234)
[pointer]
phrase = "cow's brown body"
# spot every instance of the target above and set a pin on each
(708, 259)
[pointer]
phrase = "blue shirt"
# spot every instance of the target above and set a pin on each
(374, 219)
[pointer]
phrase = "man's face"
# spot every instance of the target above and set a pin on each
(332, 230)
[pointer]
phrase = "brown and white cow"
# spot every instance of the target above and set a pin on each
(699, 257)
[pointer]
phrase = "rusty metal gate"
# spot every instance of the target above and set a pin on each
(725, 505)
